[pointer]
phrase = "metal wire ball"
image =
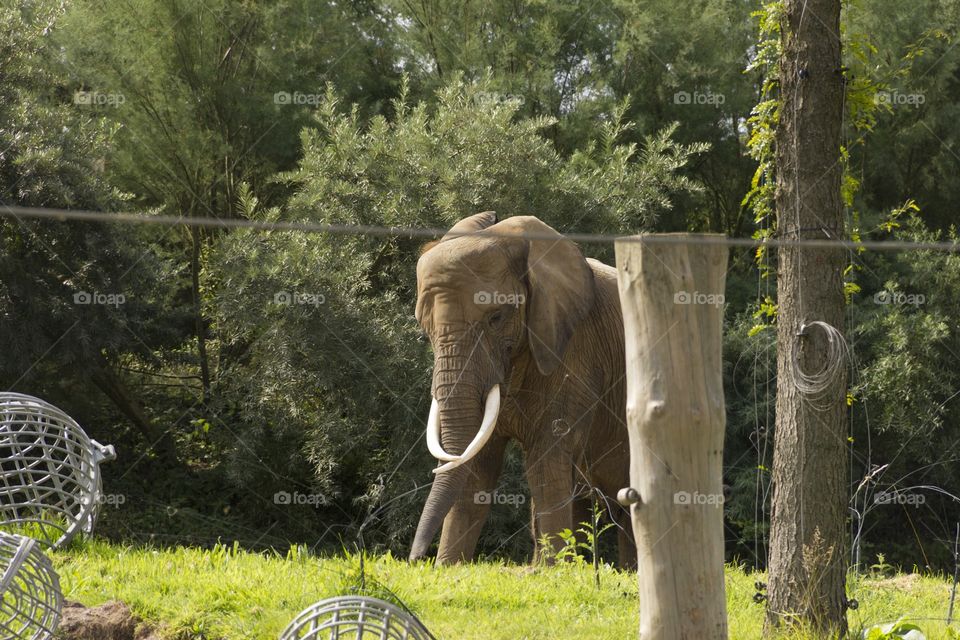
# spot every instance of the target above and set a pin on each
(49, 471)
(355, 618)
(30, 597)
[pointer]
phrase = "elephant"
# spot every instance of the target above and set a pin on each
(528, 345)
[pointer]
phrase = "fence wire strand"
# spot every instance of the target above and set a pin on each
(427, 233)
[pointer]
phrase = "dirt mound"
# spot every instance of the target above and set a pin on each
(110, 621)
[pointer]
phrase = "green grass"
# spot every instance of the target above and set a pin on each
(232, 594)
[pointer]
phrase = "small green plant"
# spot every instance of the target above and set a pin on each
(880, 568)
(584, 540)
(197, 631)
(547, 554)
(299, 553)
(570, 551)
(899, 630)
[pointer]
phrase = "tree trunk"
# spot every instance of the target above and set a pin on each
(113, 387)
(808, 559)
(672, 300)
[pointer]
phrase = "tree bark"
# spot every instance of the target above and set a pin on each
(672, 301)
(808, 559)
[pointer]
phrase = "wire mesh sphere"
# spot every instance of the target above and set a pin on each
(355, 618)
(30, 596)
(50, 481)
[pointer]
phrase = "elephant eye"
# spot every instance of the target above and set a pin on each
(496, 318)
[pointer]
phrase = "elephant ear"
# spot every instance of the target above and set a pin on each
(561, 290)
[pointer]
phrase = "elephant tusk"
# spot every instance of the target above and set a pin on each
(433, 434)
(490, 412)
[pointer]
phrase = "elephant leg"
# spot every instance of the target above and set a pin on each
(462, 525)
(582, 511)
(550, 476)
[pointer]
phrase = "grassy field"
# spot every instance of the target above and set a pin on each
(231, 594)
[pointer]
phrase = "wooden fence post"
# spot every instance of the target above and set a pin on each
(672, 299)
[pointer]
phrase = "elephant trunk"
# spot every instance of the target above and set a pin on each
(459, 410)
(444, 492)
(458, 424)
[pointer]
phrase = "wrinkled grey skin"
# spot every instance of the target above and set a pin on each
(552, 338)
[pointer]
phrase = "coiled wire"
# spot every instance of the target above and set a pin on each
(831, 373)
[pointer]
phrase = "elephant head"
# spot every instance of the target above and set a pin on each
(489, 304)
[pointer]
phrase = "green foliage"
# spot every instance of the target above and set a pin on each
(907, 325)
(762, 125)
(899, 629)
(575, 63)
(204, 103)
(583, 541)
(213, 95)
(907, 69)
(683, 62)
(899, 367)
(881, 568)
(56, 339)
(765, 314)
(434, 167)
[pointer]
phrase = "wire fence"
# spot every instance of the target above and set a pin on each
(827, 242)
